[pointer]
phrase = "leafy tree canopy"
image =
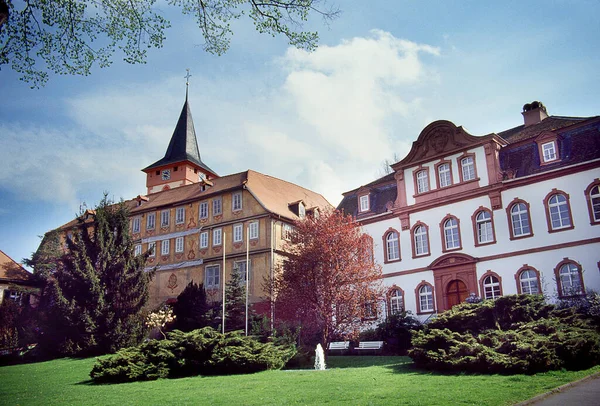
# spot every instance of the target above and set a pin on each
(71, 36)
(329, 282)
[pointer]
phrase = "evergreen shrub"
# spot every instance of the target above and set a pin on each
(199, 352)
(513, 334)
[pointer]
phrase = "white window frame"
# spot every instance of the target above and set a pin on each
(236, 268)
(467, 165)
(137, 250)
(426, 298)
(217, 235)
(165, 247)
(451, 234)
(203, 210)
(570, 278)
(392, 244)
(238, 232)
(212, 276)
(529, 282)
(152, 248)
(491, 287)
(421, 240)
(151, 221)
(301, 210)
(559, 212)
(217, 206)
(484, 226)
(422, 181)
(549, 151)
(396, 301)
(253, 226)
(287, 231)
(364, 203)
(444, 175)
(136, 226)
(595, 202)
(179, 244)
(180, 215)
(204, 239)
(519, 220)
(236, 201)
(165, 218)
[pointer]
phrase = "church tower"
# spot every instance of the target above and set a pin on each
(181, 164)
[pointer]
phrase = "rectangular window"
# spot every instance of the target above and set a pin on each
(364, 203)
(137, 250)
(240, 268)
(238, 233)
(180, 215)
(253, 230)
(203, 210)
(212, 276)
(549, 150)
(217, 208)
(165, 217)
(165, 247)
(236, 201)
(422, 182)
(152, 248)
(287, 232)
(444, 175)
(136, 225)
(179, 244)
(468, 168)
(150, 221)
(217, 237)
(204, 239)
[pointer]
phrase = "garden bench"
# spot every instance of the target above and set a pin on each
(339, 346)
(369, 346)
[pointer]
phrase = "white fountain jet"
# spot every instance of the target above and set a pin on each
(319, 358)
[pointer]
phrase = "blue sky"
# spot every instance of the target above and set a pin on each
(325, 120)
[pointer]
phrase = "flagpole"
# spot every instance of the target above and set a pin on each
(223, 282)
(247, 266)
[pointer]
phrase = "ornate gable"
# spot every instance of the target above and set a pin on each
(438, 139)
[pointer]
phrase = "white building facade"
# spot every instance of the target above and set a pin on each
(512, 212)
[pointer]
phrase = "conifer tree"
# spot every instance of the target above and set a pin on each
(192, 308)
(235, 303)
(96, 291)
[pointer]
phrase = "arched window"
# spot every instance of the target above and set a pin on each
(467, 168)
(491, 287)
(422, 181)
(484, 227)
(451, 234)
(569, 279)
(520, 221)
(420, 240)
(426, 299)
(592, 195)
(528, 282)
(396, 297)
(392, 245)
(444, 175)
(558, 211)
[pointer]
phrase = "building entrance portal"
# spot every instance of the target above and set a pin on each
(456, 293)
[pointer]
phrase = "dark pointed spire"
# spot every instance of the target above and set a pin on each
(183, 145)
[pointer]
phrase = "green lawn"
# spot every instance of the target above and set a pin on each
(351, 380)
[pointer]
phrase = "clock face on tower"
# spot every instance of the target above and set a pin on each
(166, 174)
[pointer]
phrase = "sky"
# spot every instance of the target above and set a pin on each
(324, 120)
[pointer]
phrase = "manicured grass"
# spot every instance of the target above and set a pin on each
(350, 380)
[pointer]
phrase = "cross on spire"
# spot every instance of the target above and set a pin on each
(187, 82)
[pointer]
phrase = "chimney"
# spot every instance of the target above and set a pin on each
(534, 113)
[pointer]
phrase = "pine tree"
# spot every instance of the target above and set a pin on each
(191, 309)
(235, 303)
(95, 293)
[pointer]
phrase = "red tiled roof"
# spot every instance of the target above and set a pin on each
(11, 270)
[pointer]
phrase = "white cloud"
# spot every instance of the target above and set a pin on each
(327, 124)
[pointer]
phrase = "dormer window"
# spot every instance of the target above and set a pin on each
(301, 210)
(364, 203)
(549, 151)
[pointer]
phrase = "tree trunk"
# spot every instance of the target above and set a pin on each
(3, 13)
